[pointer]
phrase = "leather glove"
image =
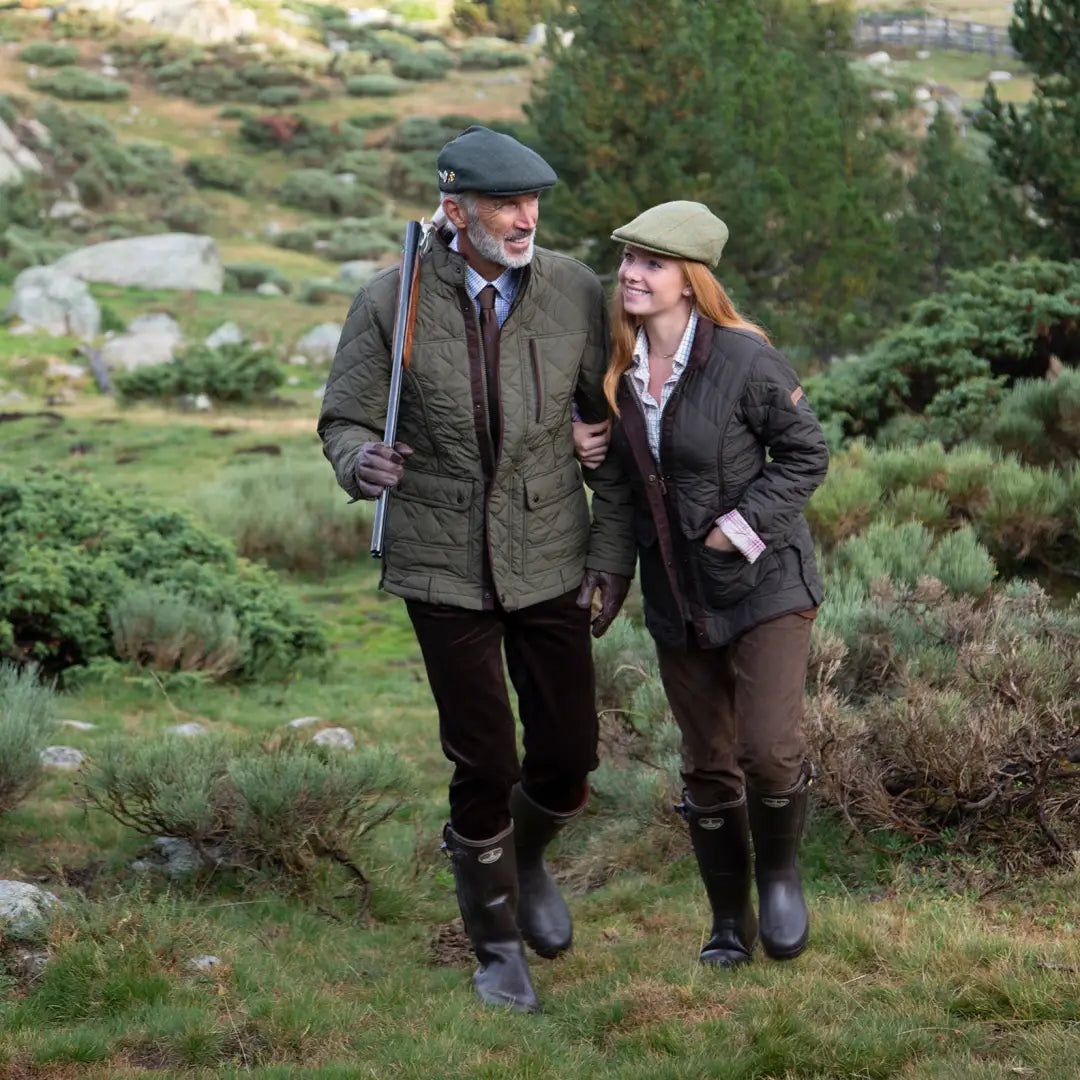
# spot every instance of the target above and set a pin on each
(613, 589)
(377, 466)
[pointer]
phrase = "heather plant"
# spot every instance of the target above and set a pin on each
(288, 513)
(238, 373)
(27, 706)
(72, 552)
(278, 808)
(215, 171)
(48, 54)
(75, 84)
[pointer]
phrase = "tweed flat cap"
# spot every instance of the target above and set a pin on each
(483, 160)
(680, 229)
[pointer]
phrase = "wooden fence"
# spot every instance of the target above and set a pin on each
(926, 32)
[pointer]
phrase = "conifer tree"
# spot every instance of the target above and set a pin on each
(1037, 148)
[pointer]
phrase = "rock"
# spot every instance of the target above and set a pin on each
(149, 340)
(78, 725)
(28, 964)
(63, 209)
(338, 738)
(196, 403)
(62, 757)
(175, 858)
(293, 380)
(65, 395)
(15, 159)
(372, 16)
(56, 369)
(36, 131)
(268, 288)
(203, 963)
(879, 59)
(12, 397)
(24, 910)
(226, 334)
(186, 730)
(320, 344)
(537, 34)
(168, 261)
(304, 721)
(999, 76)
(110, 71)
(207, 21)
(884, 95)
(50, 299)
(358, 270)
(922, 93)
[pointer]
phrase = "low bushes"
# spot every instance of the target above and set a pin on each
(237, 374)
(290, 514)
(75, 84)
(26, 719)
(322, 192)
(349, 238)
(73, 552)
(278, 809)
(215, 171)
(48, 54)
(246, 277)
(375, 85)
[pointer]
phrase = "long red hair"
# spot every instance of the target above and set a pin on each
(710, 300)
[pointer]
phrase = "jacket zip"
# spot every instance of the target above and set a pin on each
(535, 357)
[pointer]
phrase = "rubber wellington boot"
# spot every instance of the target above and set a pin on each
(721, 838)
(542, 914)
(485, 877)
(776, 822)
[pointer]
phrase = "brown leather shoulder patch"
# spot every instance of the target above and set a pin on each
(797, 395)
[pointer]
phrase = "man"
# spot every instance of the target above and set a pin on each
(488, 534)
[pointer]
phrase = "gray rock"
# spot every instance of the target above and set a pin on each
(78, 725)
(34, 129)
(338, 738)
(52, 300)
(150, 339)
(28, 964)
(168, 261)
(320, 344)
(62, 757)
(879, 59)
(58, 370)
(293, 380)
(15, 159)
(12, 397)
(203, 963)
(186, 730)
(63, 209)
(268, 288)
(206, 21)
(175, 858)
(196, 403)
(999, 76)
(226, 334)
(358, 270)
(304, 721)
(24, 910)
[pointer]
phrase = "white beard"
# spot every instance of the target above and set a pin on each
(492, 248)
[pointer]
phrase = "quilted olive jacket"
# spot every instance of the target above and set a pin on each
(737, 434)
(521, 504)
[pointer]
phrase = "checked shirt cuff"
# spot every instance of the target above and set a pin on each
(733, 525)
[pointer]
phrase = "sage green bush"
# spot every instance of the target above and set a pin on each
(288, 513)
(27, 708)
(375, 85)
(239, 373)
(248, 276)
(323, 193)
(278, 808)
(75, 84)
(48, 54)
(72, 552)
(216, 171)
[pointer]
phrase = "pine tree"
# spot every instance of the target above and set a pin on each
(751, 108)
(1038, 148)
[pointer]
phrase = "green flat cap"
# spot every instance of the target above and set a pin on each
(483, 160)
(680, 230)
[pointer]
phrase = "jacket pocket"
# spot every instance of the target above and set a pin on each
(430, 528)
(553, 364)
(556, 518)
(726, 577)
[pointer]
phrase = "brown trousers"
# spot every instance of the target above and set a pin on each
(740, 709)
(549, 660)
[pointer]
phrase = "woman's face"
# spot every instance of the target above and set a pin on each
(651, 284)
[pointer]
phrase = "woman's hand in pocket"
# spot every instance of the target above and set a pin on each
(717, 540)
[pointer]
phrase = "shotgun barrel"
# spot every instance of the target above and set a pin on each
(404, 318)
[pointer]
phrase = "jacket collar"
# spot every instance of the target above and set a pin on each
(449, 265)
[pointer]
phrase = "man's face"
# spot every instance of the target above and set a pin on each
(501, 227)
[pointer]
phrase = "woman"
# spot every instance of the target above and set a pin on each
(724, 452)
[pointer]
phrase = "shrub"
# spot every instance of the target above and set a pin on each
(190, 216)
(277, 97)
(412, 176)
(364, 165)
(216, 171)
(320, 290)
(238, 373)
(490, 54)
(323, 193)
(421, 133)
(26, 717)
(375, 85)
(423, 65)
(71, 552)
(290, 514)
(975, 751)
(249, 276)
(362, 240)
(1039, 420)
(279, 808)
(48, 54)
(75, 84)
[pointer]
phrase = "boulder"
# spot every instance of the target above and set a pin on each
(15, 159)
(268, 288)
(879, 59)
(207, 21)
(226, 334)
(24, 910)
(337, 738)
(50, 299)
(188, 730)
(357, 270)
(149, 340)
(61, 757)
(319, 344)
(167, 261)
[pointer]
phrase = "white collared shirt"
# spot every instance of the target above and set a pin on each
(639, 378)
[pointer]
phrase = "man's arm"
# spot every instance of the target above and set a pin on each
(354, 403)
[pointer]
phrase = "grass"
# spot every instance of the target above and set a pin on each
(911, 974)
